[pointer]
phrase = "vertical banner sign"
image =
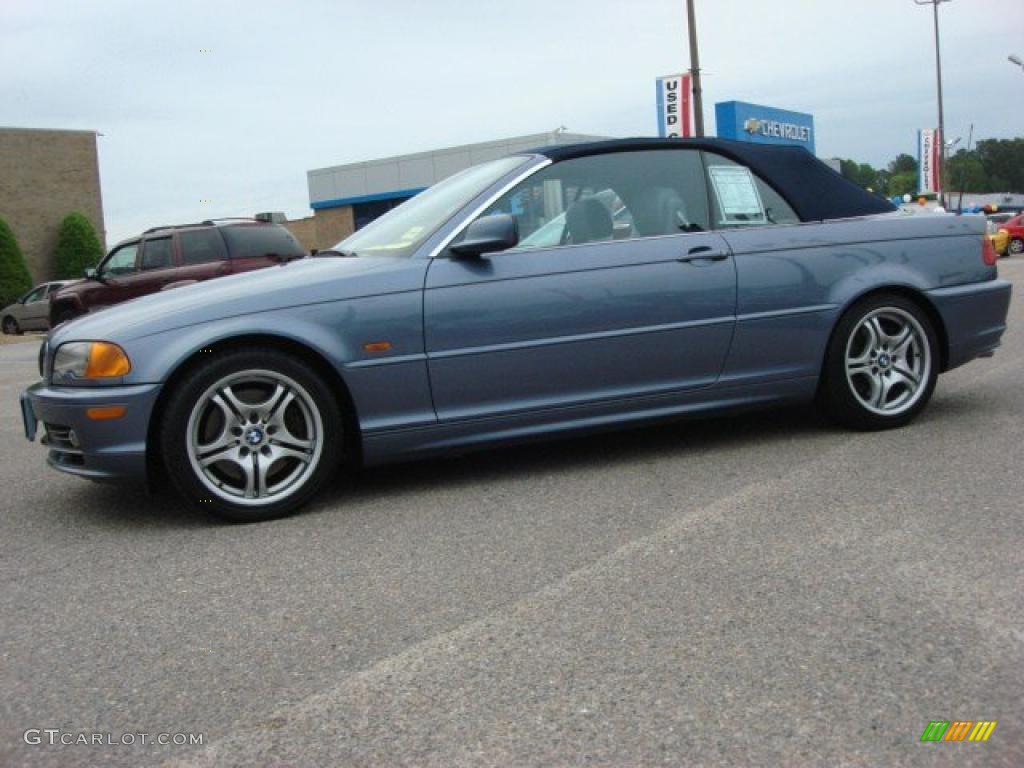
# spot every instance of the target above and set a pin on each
(674, 115)
(929, 143)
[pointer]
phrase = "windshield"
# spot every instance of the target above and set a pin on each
(402, 230)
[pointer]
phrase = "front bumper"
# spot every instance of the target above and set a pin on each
(974, 316)
(113, 450)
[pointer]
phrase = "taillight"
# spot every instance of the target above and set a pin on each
(988, 252)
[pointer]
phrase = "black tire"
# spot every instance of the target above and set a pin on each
(843, 396)
(1015, 248)
(187, 402)
(10, 326)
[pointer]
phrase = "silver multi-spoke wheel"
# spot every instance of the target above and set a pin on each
(888, 361)
(255, 437)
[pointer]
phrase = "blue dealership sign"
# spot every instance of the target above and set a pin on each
(743, 121)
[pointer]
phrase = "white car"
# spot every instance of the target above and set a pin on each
(32, 311)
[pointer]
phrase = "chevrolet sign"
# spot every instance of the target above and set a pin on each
(775, 128)
(764, 125)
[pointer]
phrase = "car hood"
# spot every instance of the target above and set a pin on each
(296, 283)
(73, 287)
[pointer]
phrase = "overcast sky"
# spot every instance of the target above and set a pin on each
(290, 86)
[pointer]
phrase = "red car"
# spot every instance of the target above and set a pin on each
(168, 257)
(1015, 229)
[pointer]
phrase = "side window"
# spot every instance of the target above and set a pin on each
(37, 295)
(157, 254)
(121, 261)
(53, 288)
(250, 241)
(616, 196)
(201, 246)
(741, 198)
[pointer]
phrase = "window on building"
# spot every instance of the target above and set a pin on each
(364, 213)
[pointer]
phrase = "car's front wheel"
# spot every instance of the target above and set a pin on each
(251, 435)
(881, 365)
(10, 326)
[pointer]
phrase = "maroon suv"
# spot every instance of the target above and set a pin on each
(167, 257)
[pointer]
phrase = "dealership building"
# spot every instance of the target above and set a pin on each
(345, 198)
(44, 176)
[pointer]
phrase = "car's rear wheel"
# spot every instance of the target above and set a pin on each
(10, 326)
(251, 435)
(881, 365)
(1016, 246)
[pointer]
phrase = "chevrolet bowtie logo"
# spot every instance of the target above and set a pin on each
(752, 125)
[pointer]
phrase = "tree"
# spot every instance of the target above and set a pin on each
(965, 172)
(903, 163)
(77, 247)
(861, 174)
(14, 277)
(1003, 161)
(902, 183)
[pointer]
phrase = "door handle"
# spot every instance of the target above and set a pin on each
(703, 253)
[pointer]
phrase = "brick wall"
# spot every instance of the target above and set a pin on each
(44, 176)
(325, 228)
(304, 231)
(333, 225)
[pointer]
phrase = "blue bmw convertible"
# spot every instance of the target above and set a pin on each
(571, 289)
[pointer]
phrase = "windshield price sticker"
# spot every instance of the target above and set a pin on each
(737, 194)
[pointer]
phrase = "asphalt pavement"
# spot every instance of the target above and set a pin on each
(763, 590)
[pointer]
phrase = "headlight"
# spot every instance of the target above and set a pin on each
(90, 360)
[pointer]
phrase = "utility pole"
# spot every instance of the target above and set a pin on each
(698, 102)
(938, 77)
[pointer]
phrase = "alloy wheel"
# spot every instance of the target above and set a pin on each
(888, 361)
(255, 437)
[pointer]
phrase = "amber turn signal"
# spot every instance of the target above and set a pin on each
(106, 361)
(106, 412)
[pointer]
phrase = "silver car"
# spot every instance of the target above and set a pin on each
(32, 311)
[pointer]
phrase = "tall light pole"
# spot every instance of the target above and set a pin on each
(938, 77)
(698, 101)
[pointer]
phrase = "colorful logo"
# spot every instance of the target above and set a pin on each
(958, 730)
(752, 125)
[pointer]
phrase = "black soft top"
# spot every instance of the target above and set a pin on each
(814, 190)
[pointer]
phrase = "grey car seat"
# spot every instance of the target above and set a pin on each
(587, 221)
(660, 211)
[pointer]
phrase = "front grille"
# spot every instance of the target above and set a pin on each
(58, 438)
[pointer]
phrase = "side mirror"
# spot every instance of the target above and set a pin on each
(90, 273)
(488, 234)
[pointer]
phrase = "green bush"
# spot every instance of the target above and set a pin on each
(14, 277)
(77, 247)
